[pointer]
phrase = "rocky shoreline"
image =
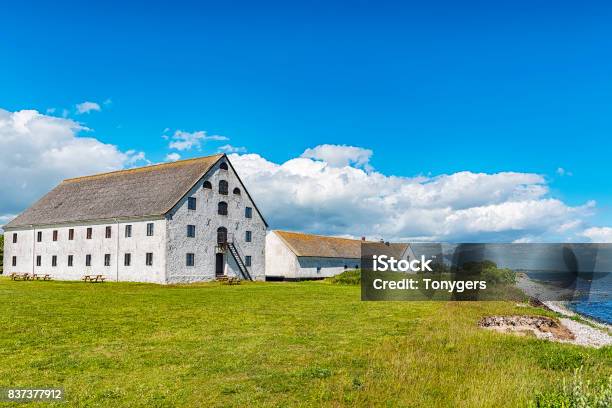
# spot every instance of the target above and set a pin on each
(586, 332)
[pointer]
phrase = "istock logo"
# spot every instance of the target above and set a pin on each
(383, 263)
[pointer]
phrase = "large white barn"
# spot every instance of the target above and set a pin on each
(299, 256)
(186, 221)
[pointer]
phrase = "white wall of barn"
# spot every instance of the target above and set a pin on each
(22, 250)
(318, 267)
(281, 262)
(27, 249)
(206, 219)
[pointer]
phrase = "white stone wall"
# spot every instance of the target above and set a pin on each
(281, 262)
(309, 266)
(22, 250)
(207, 220)
(27, 249)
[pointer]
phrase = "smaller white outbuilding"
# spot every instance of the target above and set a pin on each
(299, 256)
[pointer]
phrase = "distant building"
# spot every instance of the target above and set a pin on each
(186, 221)
(298, 256)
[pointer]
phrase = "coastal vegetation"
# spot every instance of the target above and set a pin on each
(274, 344)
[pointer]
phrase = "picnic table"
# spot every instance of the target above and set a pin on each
(29, 276)
(228, 280)
(19, 276)
(94, 278)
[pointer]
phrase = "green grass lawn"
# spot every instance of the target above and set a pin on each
(270, 344)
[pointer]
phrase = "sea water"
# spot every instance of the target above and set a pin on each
(593, 297)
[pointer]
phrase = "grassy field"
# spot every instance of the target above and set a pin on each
(270, 344)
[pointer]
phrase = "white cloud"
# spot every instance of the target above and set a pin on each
(182, 140)
(598, 234)
(309, 194)
(38, 151)
(232, 149)
(136, 158)
(340, 155)
(87, 107)
(172, 157)
(563, 172)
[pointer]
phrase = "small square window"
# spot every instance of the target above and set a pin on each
(39, 236)
(149, 259)
(106, 259)
(14, 262)
(71, 234)
(38, 260)
(55, 234)
(89, 232)
(190, 259)
(128, 231)
(70, 260)
(248, 212)
(149, 229)
(191, 203)
(54, 260)
(127, 259)
(191, 229)
(247, 260)
(108, 232)
(248, 236)
(14, 238)
(87, 260)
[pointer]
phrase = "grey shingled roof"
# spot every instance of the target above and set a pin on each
(321, 246)
(144, 191)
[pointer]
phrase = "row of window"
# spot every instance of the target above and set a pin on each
(223, 187)
(127, 260)
(191, 233)
(221, 207)
(190, 259)
(88, 233)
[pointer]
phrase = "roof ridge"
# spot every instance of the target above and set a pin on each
(318, 235)
(142, 168)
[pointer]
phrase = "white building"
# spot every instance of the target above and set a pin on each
(185, 221)
(297, 256)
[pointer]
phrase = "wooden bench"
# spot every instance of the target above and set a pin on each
(93, 278)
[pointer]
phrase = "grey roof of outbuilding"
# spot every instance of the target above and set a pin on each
(144, 191)
(321, 246)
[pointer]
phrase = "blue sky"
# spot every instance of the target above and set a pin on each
(430, 89)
